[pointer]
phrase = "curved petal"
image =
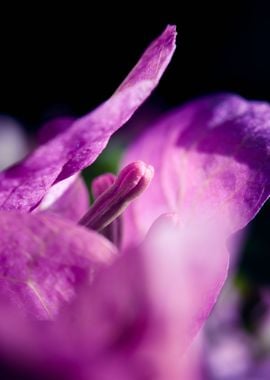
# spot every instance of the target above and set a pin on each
(137, 317)
(24, 185)
(68, 198)
(43, 257)
(212, 163)
(140, 314)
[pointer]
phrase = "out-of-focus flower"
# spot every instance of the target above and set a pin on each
(13, 144)
(230, 350)
(101, 295)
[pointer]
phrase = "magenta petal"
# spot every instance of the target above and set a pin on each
(23, 186)
(212, 167)
(154, 61)
(42, 259)
(70, 201)
(140, 314)
(212, 163)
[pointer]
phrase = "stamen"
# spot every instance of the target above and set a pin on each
(102, 183)
(130, 183)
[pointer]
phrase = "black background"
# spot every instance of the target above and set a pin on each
(69, 59)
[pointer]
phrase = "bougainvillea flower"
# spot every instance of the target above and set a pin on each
(87, 308)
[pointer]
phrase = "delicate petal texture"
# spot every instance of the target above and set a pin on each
(59, 198)
(71, 204)
(212, 162)
(43, 257)
(154, 60)
(24, 185)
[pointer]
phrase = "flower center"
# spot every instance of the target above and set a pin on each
(113, 195)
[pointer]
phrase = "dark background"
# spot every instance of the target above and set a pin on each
(72, 58)
(69, 59)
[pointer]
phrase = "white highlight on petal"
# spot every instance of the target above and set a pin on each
(55, 192)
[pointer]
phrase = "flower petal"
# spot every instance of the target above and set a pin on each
(135, 320)
(43, 257)
(212, 163)
(68, 198)
(24, 185)
(140, 314)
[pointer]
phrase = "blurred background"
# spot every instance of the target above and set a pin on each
(66, 61)
(72, 58)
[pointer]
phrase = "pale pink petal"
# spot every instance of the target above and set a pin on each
(141, 314)
(212, 163)
(68, 199)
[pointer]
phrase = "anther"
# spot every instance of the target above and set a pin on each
(110, 204)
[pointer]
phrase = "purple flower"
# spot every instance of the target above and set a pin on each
(99, 293)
